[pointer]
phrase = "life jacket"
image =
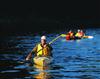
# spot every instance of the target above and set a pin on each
(39, 50)
(82, 34)
(67, 37)
(78, 35)
(42, 51)
(71, 34)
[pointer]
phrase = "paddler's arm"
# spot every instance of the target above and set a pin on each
(32, 52)
(29, 56)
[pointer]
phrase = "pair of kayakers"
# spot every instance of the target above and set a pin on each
(42, 49)
(79, 34)
(71, 35)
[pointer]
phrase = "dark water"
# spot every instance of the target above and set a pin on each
(78, 59)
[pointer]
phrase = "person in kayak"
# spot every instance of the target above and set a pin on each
(70, 35)
(82, 33)
(67, 37)
(79, 34)
(41, 49)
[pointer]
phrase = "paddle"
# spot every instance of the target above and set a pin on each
(62, 35)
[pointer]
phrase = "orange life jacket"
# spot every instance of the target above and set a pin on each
(71, 34)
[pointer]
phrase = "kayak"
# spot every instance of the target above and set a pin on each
(90, 37)
(42, 61)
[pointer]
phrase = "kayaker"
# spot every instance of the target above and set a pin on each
(82, 33)
(41, 49)
(70, 35)
(67, 37)
(78, 34)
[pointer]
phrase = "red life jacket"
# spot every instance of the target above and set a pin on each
(67, 37)
(71, 34)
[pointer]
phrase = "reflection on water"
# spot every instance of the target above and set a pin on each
(78, 59)
(43, 74)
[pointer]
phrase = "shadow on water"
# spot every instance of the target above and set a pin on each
(8, 70)
(72, 59)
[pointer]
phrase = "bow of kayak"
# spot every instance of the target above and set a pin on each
(42, 61)
(88, 37)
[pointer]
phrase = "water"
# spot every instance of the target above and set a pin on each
(78, 59)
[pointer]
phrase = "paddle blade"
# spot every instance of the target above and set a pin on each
(63, 35)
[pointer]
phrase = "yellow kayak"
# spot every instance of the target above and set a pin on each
(42, 61)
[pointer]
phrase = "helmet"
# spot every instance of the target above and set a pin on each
(43, 37)
(78, 30)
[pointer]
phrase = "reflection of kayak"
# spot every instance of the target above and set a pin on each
(42, 75)
(90, 37)
(42, 61)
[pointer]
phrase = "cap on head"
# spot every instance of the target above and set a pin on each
(78, 30)
(70, 30)
(43, 37)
